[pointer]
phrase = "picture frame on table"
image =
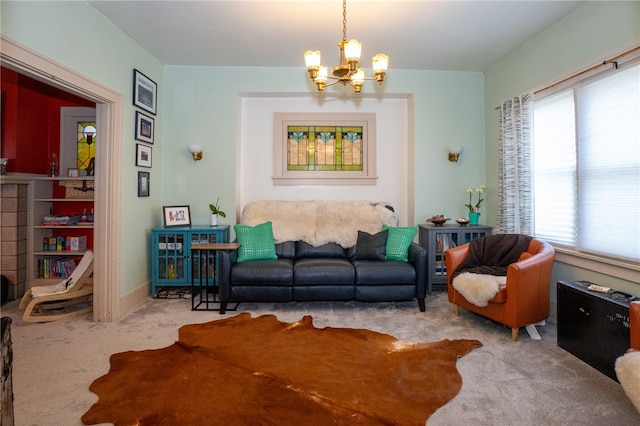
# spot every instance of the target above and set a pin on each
(145, 127)
(143, 155)
(145, 92)
(176, 216)
(144, 184)
(72, 172)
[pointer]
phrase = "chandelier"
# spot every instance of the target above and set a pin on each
(348, 72)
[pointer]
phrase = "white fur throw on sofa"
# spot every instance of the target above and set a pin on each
(628, 372)
(478, 288)
(320, 222)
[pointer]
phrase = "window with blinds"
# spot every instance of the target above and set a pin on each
(586, 145)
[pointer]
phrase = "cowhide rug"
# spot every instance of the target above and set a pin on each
(247, 371)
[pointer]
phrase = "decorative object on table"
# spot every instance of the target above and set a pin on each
(72, 172)
(215, 212)
(462, 221)
(145, 126)
(53, 165)
(3, 166)
(474, 218)
(144, 182)
(474, 213)
(196, 152)
(327, 365)
(438, 220)
(144, 92)
(349, 70)
(143, 155)
(176, 216)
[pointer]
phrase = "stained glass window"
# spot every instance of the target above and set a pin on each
(324, 148)
(86, 145)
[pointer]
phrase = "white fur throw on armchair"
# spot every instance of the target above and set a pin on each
(320, 222)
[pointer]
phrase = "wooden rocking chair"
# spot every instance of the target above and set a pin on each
(69, 297)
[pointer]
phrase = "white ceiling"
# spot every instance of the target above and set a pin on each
(418, 34)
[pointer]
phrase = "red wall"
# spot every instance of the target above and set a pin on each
(31, 121)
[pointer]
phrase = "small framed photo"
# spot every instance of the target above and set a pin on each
(145, 92)
(176, 216)
(73, 172)
(143, 155)
(144, 127)
(143, 184)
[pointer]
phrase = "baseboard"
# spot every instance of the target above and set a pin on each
(134, 299)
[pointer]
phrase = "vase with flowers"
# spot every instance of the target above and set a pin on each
(474, 213)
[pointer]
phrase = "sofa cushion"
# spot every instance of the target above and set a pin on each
(388, 273)
(263, 272)
(256, 242)
(286, 250)
(306, 251)
(323, 271)
(398, 242)
(371, 247)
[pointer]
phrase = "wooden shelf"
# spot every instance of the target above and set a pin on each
(64, 226)
(50, 200)
(58, 253)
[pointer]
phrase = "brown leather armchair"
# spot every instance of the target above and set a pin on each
(523, 300)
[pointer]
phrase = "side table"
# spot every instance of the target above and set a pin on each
(204, 276)
(437, 239)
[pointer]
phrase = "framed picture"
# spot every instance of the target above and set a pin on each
(176, 216)
(144, 127)
(145, 92)
(143, 184)
(143, 155)
(324, 148)
(73, 172)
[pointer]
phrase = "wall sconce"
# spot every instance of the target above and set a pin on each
(454, 153)
(196, 152)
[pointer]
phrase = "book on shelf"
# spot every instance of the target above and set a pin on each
(52, 220)
(444, 242)
(57, 267)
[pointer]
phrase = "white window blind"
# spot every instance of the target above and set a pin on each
(587, 165)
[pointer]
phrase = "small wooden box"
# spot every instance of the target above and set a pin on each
(79, 189)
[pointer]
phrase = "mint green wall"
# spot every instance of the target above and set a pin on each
(593, 33)
(77, 36)
(201, 107)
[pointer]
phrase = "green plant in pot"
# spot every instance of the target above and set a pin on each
(474, 213)
(215, 212)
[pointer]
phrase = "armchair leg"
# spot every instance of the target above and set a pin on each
(514, 334)
(456, 310)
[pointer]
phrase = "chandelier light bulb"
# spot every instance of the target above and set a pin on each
(348, 72)
(352, 50)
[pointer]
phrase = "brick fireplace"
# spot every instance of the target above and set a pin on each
(13, 236)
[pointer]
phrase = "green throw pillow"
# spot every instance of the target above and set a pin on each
(256, 242)
(398, 242)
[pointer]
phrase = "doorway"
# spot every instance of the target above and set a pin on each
(107, 203)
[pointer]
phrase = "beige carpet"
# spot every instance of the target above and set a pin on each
(530, 382)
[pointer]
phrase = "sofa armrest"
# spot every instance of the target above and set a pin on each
(418, 258)
(454, 257)
(226, 261)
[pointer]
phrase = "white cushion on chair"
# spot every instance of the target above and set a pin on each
(478, 288)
